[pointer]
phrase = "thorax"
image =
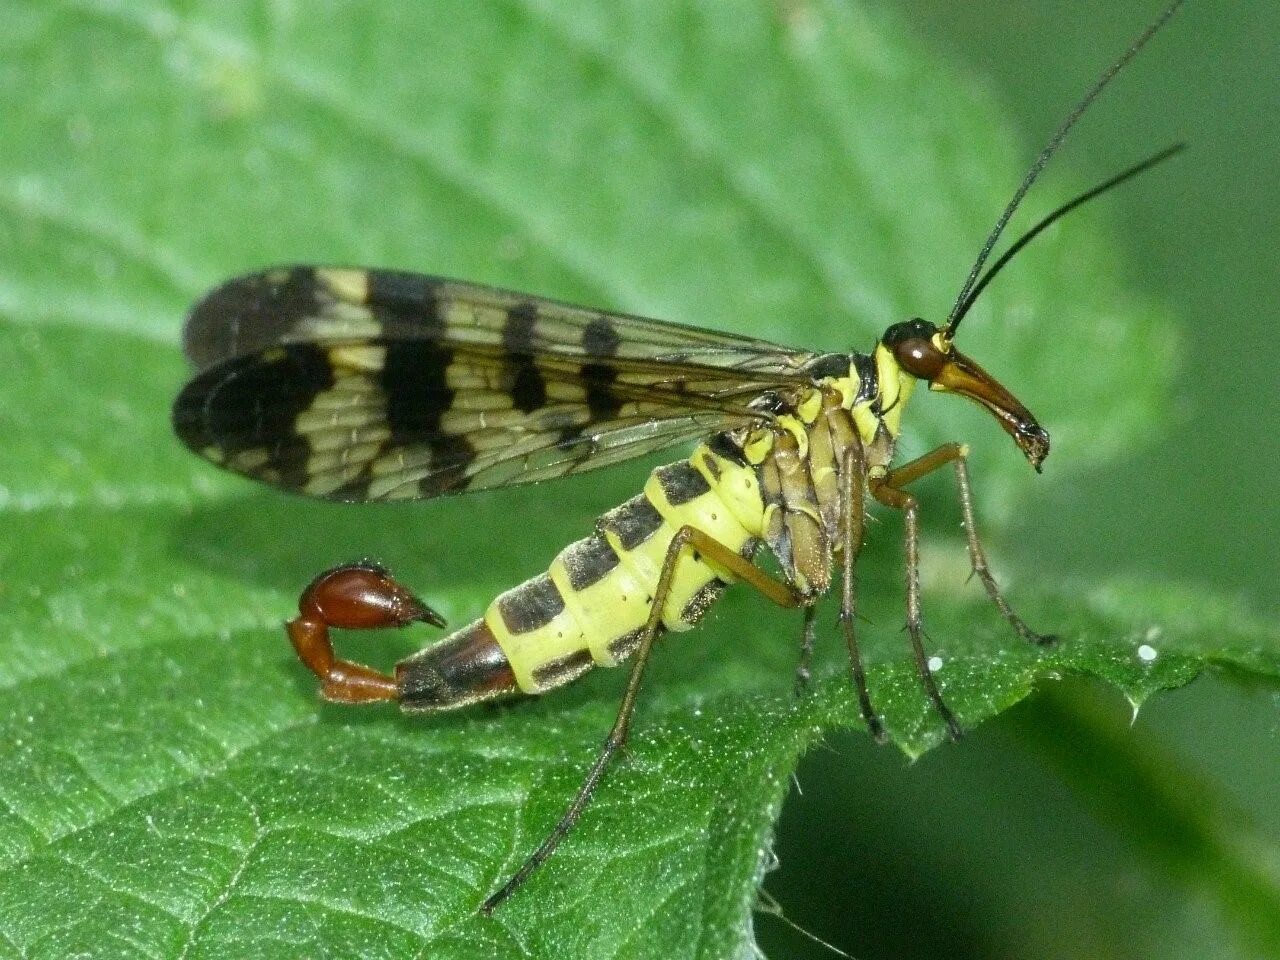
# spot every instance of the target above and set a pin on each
(801, 450)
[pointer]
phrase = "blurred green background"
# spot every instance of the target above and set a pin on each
(1002, 847)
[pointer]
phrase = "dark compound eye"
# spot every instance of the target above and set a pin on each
(912, 346)
(915, 329)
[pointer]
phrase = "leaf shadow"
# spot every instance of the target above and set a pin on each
(456, 544)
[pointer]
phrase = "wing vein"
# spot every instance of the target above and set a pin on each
(359, 384)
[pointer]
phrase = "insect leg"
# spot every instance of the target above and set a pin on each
(958, 454)
(935, 459)
(978, 558)
(852, 521)
(891, 496)
(806, 650)
(720, 555)
(354, 596)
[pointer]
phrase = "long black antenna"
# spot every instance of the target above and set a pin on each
(1058, 214)
(953, 319)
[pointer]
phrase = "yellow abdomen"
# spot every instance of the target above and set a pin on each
(590, 606)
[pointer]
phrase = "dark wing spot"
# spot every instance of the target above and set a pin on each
(413, 381)
(450, 457)
(526, 384)
(517, 331)
(600, 339)
(253, 403)
(417, 395)
(528, 387)
(406, 300)
(249, 313)
(602, 402)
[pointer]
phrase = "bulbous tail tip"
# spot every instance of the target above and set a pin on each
(363, 596)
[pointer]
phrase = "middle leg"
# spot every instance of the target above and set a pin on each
(891, 496)
(852, 522)
(803, 671)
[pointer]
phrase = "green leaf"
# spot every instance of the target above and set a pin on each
(171, 786)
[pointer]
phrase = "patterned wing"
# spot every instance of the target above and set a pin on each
(372, 385)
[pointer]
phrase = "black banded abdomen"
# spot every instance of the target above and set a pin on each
(466, 667)
(591, 605)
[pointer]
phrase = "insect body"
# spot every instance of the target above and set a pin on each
(365, 385)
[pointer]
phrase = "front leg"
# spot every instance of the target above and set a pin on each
(958, 454)
(883, 490)
(978, 558)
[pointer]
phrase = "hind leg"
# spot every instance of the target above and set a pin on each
(686, 539)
